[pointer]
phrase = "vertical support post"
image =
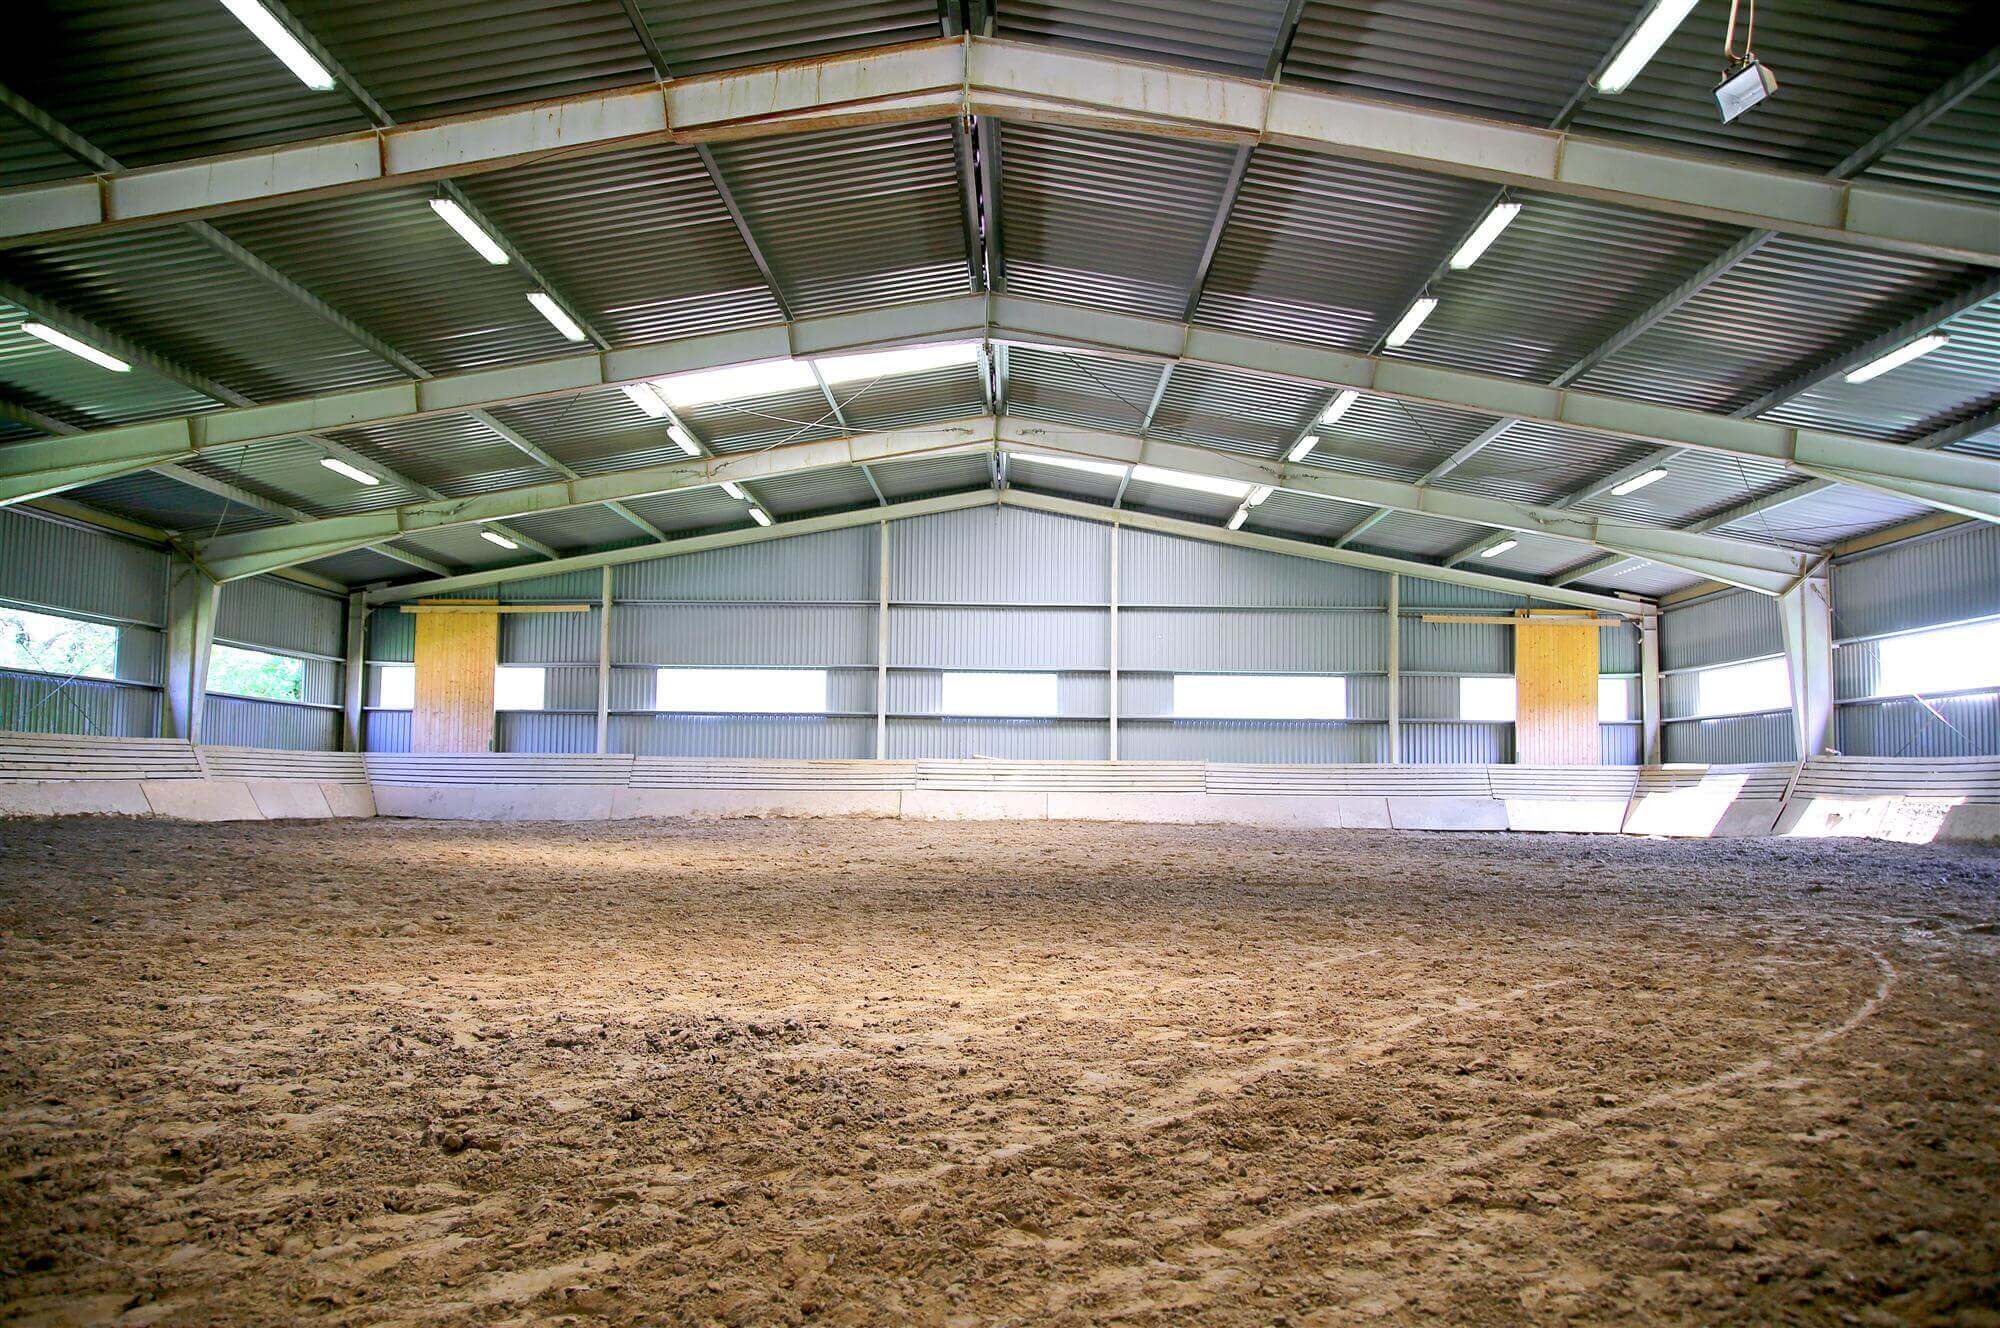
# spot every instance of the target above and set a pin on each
(354, 681)
(1650, 750)
(1116, 530)
(604, 665)
(1805, 612)
(882, 642)
(192, 601)
(1395, 669)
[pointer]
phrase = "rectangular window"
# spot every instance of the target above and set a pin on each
(517, 688)
(741, 691)
(235, 671)
(1742, 689)
(1490, 699)
(397, 689)
(1614, 701)
(1946, 659)
(1012, 694)
(1253, 696)
(48, 643)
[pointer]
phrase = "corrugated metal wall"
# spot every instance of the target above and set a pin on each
(263, 613)
(51, 566)
(1727, 628)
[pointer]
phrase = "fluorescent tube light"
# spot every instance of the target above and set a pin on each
(1338, 407)
(355, 473)
(888, 363)
(646, 397)
(1482, 238)
(736, 382)
(552, 311)
(1495, 550)
(760, 516)
(1303, 448)
(1900, 356)
(1638, 482)
(1180, 479)
(64, 341)
(1412, 319)
(468, 230)
(683, 440)
(495, 537)
(1242, 515)
(1071, 463)
(281, 43)
(1644, 43)
(734, 490)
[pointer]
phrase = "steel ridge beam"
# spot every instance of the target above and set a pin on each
(1250, 539)
(582, 562)
(249, 553)
(968, 75)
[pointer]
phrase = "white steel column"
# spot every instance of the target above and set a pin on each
(604, 664)
(882, 642)
(192, 600)
(1395, 669)
(1650, 752)
(1805, 612)
(1115, 531)
(354, 682)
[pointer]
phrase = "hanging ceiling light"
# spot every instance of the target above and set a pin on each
(1412, 319)
(82, 350)
(1644, 43)
(1483, 236)
(1898, 357)
(495, 537)
(469, 231)
(552, 311)
(1638, 482)
(280, 42)
(355, 473)
(1495, 550)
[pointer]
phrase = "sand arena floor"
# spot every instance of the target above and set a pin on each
(851, 1073)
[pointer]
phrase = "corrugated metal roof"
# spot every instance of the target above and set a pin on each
(1950, 384)
(28, 158)
(1394, 439)
(1539, 463)
(454, 454)
(1412, 533)
(56, 383)
(1233, 36)
(290, 471)
(691, 510)
(592, 432)
(1697, 484)
(167, 503)
(1237, 412)
(1640, 578)
(923, 476)
(701, 36)
(1826, 517)
(1959, 151)
(1302, 516)
(359, 567)
(1113, 220)
(1095, 391)
(908, 400)
(576, 529)
(834, 489)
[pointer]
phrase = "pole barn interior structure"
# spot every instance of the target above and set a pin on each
(965, 662)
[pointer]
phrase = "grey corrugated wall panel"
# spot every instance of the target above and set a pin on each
(1252, 641)
(1970, 727)
(1287, 741)
(276, 615)
(834, 565)
(1857, 670)
(142, 655)
(573, 688)
(999, 555)
(1948, 577)
(549, 638)
(62, 567)
(1618, 744)
(1722, 629)
(921, 692)
(1234, 36)
(1736, 740)
(536, 731)
(1430, 647)
(1618, 650)
(634, 688)
(743, 635)
(386, 731)
(1008, 739)
(1003, 638)
(1419, 593)
(235, 721)
(1430, 696)
(789, 737)
(30, 703)
(564, 587)
(392, 635)
(1458, 744)
(1164, 569)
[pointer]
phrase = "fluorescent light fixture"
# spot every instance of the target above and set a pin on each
(1495, 550)
(1644, 43)
(1071, 463)
(552, 311)
(1638, 482)
(1412, 319)
(1242, 515)
(737, 382)
(1180, 479)
(646, 397)
(1482, 238)
(64, 341)
(355, 473)
(734, 490)
(468, 231)
(889, 363)
(495, 537)
(1338, 407)
(281, 43)
(1900, 356)
(1303, 448)
(683, 440)
(1258, 495)
(760, 516)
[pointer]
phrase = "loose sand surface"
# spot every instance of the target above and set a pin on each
(848, 1073)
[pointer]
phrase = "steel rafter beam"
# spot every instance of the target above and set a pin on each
(976, 75)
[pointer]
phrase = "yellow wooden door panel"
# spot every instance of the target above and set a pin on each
(1555, 702)
(456, 655)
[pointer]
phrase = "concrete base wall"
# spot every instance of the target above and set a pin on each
(810, 804)
(202, 799)
(495, 802)
(1904, 820)
(80, 797)
(1447, 814)
(1575, 816)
